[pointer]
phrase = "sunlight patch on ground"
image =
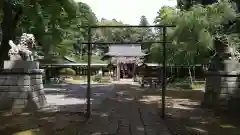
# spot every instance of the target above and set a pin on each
(227, 126)
(122, 93)
(185, 104)
(178, 103)
(177, 106)
(203, 122)
(129, 99)
(195, 118)
(30, 132)
(75, 81)
(72, 81)
(97, 133)
(62, 100)
(140, 128)
(150, 99)
(198, 130)
(104, 115)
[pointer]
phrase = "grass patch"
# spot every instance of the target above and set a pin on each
(83, 80)
(196, 85)
(71, 81)
(105, 80)
(186, 84)
(101, 79)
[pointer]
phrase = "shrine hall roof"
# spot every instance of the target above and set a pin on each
(128, 50)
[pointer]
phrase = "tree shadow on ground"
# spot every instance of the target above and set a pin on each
(125, 114)
(184, 115)
(66, 119)
(41, 123)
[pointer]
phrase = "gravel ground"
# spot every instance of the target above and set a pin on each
(184, 115)
(68, 99)
(72, 97)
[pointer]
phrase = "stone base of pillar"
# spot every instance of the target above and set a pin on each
(222, 88)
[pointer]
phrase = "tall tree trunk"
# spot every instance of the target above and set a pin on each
(81, 51)
(190, 73)
(9, 24)
(6, 30)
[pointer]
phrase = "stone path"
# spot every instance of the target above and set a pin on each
(125, 113)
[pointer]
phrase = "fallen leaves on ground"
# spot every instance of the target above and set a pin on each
(41, 124)
(184, 116)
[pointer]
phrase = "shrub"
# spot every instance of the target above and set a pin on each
(195, 86)
(105, 80)
(79, 77)
(67, 71)
(97, 78)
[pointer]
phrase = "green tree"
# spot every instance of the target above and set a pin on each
(43, 17)
(146, 36)
(187, 4)
(85, 17)
(194, 31)
(143, 21)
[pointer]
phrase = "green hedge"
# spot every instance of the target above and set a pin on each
(97, 78)
(67, 71)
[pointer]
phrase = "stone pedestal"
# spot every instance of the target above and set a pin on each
(222, 85)
(21, 87)
(20, 64)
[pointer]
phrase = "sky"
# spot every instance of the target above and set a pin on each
(127, 11)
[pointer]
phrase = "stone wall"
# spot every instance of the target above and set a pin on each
(21, 90)
(222, 89)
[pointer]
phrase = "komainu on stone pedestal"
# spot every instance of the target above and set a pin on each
(22, 51)
(21, 86)
(222, 76)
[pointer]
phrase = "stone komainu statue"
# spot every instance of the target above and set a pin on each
(22, 51)
(224, 49)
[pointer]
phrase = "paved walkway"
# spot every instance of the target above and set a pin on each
(125, 113)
